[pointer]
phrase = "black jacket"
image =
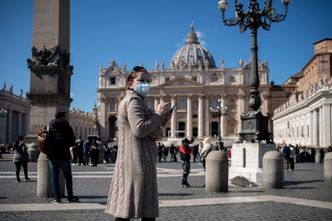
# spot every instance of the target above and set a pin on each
(61, 139)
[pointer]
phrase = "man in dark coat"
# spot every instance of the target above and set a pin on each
(185, 153)
(61, 139)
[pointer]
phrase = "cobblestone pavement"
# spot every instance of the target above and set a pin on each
(304, 197)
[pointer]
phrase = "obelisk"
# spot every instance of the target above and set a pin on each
(50, 74)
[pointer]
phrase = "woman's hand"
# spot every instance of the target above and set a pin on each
(163, 107)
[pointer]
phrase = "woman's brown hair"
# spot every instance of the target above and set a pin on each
(133, 74)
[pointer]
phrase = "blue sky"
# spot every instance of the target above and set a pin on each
(149, 31)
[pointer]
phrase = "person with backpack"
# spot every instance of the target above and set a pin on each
(185, 153)
(61, 137)
(20, 158)
(285, 151)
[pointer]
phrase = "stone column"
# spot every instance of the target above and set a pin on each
(3, 128)
(9, 138)
(20, 123)
(155, 103)
(315, 128)
(320, 127)
(109, 105)
(200, 116)
(326, 125)
(173, 119)
(223, 119)
(189, 116)
(207, 117)
(311, 128)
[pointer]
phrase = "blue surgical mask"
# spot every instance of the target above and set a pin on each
(142, 88)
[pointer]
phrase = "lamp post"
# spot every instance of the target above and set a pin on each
(221, 112)
(254, 126)
(3, 112)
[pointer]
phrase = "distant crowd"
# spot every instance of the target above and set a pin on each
(299, 154)
(92, 151)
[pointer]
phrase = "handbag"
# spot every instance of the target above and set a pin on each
(43, 140)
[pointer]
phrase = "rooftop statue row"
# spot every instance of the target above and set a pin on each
(298, 97)
(4, 88)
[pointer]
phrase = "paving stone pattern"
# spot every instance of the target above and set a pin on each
(306, 182)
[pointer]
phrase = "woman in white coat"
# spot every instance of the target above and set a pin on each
(133, 192)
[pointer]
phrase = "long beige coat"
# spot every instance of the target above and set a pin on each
(133, 192)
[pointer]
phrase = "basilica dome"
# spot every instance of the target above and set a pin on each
(192, 54)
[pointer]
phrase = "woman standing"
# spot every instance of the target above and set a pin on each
(205, 150)
(133, 192)
(21, 158)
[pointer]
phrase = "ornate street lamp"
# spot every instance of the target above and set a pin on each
(254, 125)
(3, 112)
(220, 112)
(96, 126)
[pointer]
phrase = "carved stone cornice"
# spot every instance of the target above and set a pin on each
(52, 57)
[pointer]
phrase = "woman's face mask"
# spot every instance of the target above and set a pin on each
(142, 88)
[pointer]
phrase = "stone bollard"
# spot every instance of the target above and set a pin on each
(273, 172)
(328, 167)
(216, 175)
(44, 188)
(317, 156)
(33, 151)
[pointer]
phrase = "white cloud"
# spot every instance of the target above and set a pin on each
(201, 38)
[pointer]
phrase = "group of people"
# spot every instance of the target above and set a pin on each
(163, 151)
(298, 154)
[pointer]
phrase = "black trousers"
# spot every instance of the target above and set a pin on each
(18, 169)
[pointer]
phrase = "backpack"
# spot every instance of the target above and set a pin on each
(43, 140)
(286, 151)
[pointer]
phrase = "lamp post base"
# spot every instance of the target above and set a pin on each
(254, 128)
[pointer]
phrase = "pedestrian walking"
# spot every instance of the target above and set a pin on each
(285, 151)
(79, 149)
(94, 155)
(20, 158)
(185, 153)
(172, 151)
(159, 151)
(86, 151)
(133, 192)
(61, 139)
(195, 152)
(291, 157)
(165, 152)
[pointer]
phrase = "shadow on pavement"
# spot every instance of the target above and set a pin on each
(290, 183)
(175, 194)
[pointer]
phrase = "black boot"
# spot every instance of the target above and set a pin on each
(185, 183)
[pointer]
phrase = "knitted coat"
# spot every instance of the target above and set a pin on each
(133, 192)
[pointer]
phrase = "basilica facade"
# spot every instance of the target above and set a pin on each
(196, 86)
